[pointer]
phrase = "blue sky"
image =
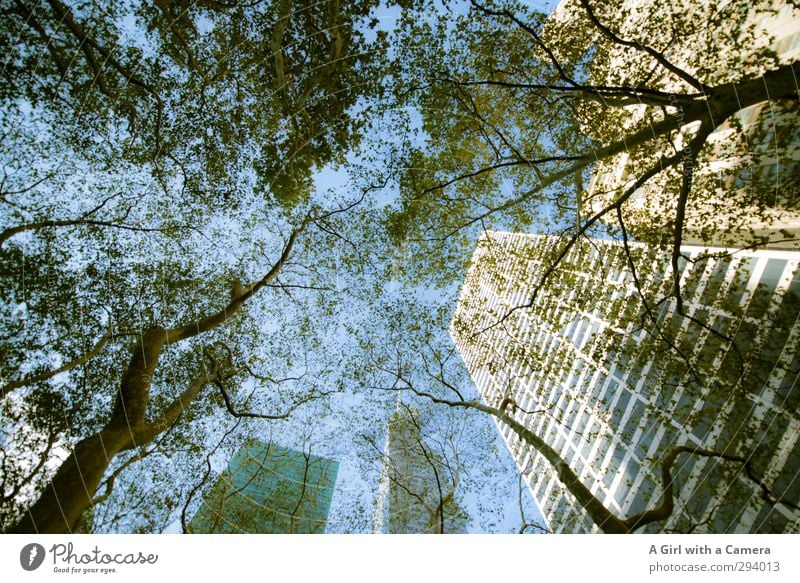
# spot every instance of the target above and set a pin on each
(221, 240)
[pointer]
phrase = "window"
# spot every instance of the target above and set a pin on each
(619, 409)
(788, 43)
(749, 115)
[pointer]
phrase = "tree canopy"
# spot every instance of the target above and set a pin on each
(663, 124)
(223, 96)
(157, 163)
(524, 108)
(182, 271)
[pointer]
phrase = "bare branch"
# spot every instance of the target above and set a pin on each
(198, 485)
(248, 414)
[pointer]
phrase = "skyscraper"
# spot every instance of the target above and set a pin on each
(603, 367)
(269, 489)
(418, 485)
(749, 169)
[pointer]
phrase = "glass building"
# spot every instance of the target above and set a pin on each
(418, 485)
(269, 489)
(603, 367)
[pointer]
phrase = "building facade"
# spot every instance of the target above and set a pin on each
(269, 489)
(603, 367)
(417, 493)
(746, 178)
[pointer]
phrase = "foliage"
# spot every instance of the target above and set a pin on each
(157, 162)
(167, 257)
(601, 122)
(518, 112)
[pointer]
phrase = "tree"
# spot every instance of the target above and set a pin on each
(157, 163)
(605, 519)
(523, 116)
(421, 475)
(223, 94)
(513, 128)
(71, 490)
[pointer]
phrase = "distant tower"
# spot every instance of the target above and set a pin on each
(269, 489)
(417, 489)
(596, 379)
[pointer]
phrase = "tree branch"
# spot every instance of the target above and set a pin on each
(198, 485)
(661, 164)
(144, 434)
(109, 482)
(248, 414)
(11, 231)
(64, 14)
(189, 330)
(640, 47)
(665, 507)
(43, 376)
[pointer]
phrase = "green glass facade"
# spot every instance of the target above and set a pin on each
(269, 489)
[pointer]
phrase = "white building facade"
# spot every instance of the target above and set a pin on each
(747, 178)
(609, 374)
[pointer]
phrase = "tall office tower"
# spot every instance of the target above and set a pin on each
(418, 484)
(605, 370)
(269, 489)
(746, 178)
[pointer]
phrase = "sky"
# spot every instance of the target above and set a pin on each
(506, 485)
(346, 410)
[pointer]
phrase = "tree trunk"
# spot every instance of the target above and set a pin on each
(70, 492)
(601, 515)
(726, 100)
